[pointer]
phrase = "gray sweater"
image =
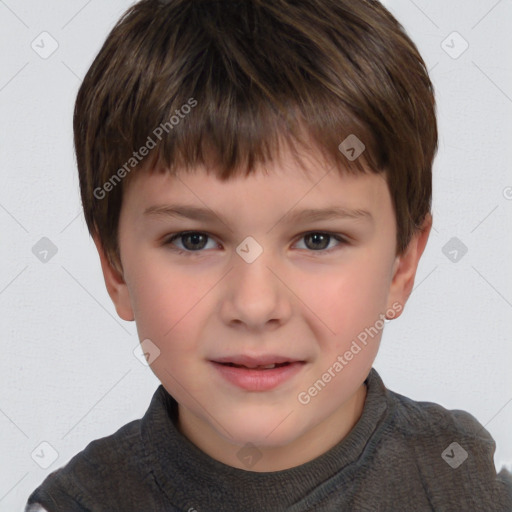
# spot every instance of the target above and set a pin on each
(401, 455)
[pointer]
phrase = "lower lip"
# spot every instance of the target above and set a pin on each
(258, 380)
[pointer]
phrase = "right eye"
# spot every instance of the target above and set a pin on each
(191, 241)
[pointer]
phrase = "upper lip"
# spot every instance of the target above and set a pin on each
(262, 360)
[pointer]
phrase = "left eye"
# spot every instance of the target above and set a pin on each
(320, 241)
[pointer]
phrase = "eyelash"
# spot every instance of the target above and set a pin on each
(169, 242)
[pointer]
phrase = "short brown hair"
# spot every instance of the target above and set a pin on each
(250, 73)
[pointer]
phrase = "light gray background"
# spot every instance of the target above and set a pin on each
(68, 373)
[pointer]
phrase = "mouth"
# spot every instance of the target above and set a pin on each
(257, 373)
(263, 362)
(258, 367)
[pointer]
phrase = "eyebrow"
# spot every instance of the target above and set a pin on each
(307, 215)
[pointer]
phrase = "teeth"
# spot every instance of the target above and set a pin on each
(269, 366)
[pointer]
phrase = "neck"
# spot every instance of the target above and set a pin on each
(313, 443)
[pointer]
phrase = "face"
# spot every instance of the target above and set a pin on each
(227, 279)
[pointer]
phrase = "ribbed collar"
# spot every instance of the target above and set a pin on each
(192, 479)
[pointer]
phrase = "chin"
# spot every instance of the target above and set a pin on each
(265, 431)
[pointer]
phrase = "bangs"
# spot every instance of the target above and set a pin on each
(235, 139)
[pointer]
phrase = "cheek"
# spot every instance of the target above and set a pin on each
(159, 298)
(347, 300)
(167, 312)
(169, 308)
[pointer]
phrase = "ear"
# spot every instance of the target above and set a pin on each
(405, 266)
(116, 286)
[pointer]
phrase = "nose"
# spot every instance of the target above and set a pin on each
(255, 296)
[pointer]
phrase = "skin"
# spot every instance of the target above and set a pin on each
(302, 298)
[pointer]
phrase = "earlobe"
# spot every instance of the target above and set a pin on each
(406, 265)
(115, 284)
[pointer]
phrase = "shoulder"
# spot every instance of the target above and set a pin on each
(433, 428)
(109, 456)
(415, 418)
(451, 452)
(95, 475)
(35, 507)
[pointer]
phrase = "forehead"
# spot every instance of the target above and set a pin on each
(285, 188)
(287, 175)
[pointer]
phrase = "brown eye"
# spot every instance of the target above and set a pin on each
(317, 241)
(321, 242)
(192, 242)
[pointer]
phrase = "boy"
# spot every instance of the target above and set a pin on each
(256, 176)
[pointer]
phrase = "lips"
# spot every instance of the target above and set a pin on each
(258, 367)
(257, 374)
(264, 362)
